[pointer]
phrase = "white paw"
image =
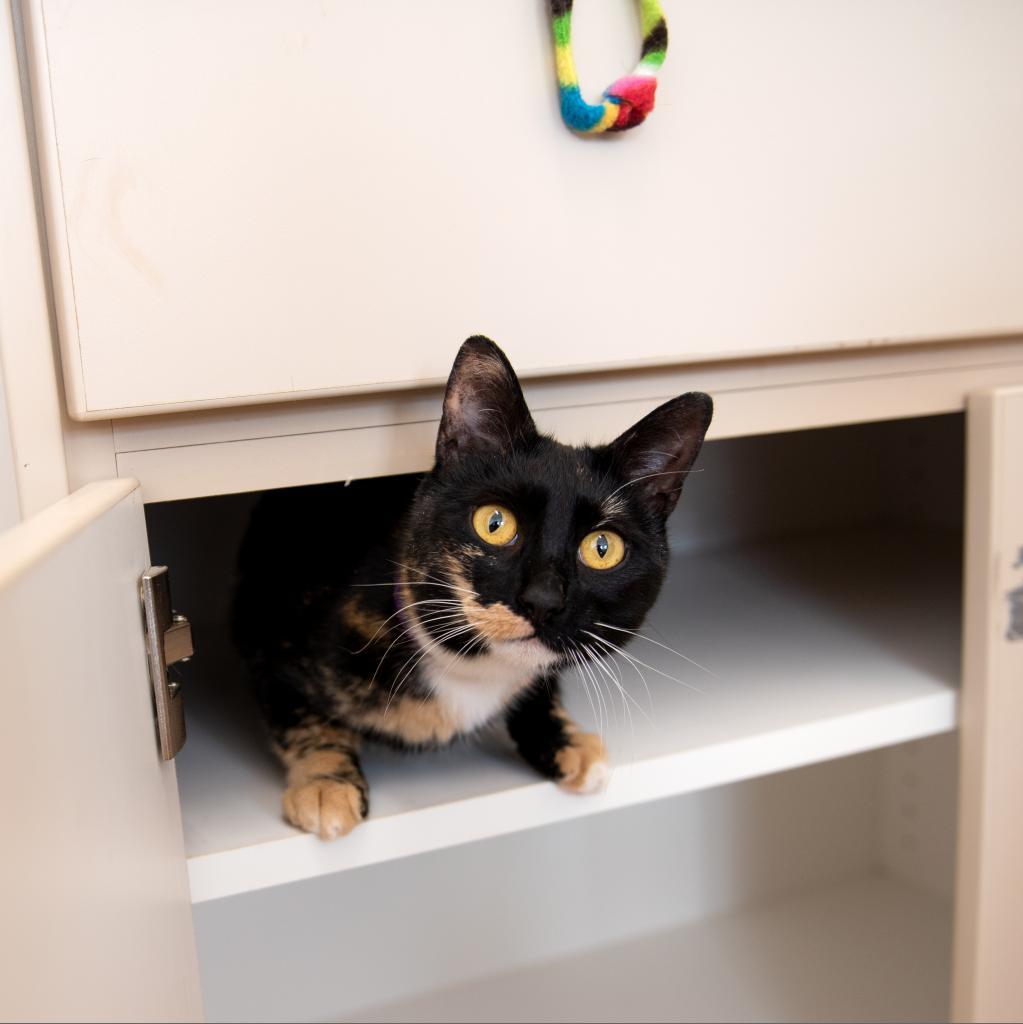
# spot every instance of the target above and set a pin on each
(583, 765)
(595, 779)
(325, 807)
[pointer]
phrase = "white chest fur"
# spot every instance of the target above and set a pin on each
(475, 690)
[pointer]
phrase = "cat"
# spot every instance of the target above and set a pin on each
(415, 611)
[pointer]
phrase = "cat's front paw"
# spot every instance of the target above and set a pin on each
(583, 764)
(326, 807)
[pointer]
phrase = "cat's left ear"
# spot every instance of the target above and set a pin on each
(655, 454)
(485, 412)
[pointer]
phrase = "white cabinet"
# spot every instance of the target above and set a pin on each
(796, 807)
(799, 811)
(305, 200)
(989, 937)
(311, 198)
(96, 923)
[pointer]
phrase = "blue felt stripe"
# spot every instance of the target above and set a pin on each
(576, 112)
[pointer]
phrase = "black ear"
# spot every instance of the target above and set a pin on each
(657, 452)
(484, 411)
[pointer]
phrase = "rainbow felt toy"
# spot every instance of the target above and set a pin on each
(627, 102)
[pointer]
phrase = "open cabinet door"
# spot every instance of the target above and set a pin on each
(988, 977)
(96, 921)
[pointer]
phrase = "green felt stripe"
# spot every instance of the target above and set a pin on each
(586, 118)
(563, 30)
(650, 14)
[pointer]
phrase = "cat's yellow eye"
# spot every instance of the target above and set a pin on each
(602, 549)
(495, 524)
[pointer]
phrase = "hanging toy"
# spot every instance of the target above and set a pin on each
(628, 101)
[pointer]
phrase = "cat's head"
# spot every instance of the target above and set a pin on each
(541, 546)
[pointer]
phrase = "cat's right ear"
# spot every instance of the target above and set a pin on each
(485, 412)
(655, 455)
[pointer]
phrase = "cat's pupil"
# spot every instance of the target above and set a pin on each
(495, 521)
(602, 546)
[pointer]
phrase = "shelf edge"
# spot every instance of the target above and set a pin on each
(281, 861)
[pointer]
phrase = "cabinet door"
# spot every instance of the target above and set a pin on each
(283, 198)
(96, 920)
(989, 911)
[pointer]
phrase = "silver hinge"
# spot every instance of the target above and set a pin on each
(168, 642)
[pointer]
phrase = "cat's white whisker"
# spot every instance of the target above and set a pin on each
(608, 705)
(601, 661)
(650, 476)
(614, 653)
(417, 621)
(591, 661)
(415, 604)
(577, 667)
(436, 579)
(639, 672)
(586, 690)
(630, 657)
(461, 652)
(405, 673)
(619, 680)
(443, 621)
(650, 639)
(405, 583)
(433, 645)
(614, 650)
(589, 697)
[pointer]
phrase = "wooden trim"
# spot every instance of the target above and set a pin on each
(193, 456)
(26, 342)
(52, 192)
(36, 538)
(599, 389)
(987, 984)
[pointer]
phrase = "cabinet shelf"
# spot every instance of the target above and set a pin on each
(818, 647)
(869, 948)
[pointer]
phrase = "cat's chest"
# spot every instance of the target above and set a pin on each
(474, 691)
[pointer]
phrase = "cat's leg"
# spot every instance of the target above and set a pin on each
(553, 744)
(327, 793)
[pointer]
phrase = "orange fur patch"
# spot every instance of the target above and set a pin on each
(366, 624)
(575, 761)
(413, 720)
(495, 621)
(327, 807)
(317, 762)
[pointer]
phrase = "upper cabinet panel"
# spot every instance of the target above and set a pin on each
(265, 200)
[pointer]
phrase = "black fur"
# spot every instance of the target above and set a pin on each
(324, 611)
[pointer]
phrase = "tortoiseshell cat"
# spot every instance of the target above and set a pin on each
(452, 600)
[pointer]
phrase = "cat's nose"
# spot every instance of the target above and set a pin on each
(544, 596)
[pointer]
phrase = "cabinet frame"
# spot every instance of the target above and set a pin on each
(989, 891)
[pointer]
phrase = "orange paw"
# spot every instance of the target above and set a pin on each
(583, 764)
(325, 807)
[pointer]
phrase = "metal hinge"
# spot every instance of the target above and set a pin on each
(168, 642)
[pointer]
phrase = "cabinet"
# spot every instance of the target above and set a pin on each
(805, 785)
(96, 923)
(323, 198)
(829, 828)
(798, 806)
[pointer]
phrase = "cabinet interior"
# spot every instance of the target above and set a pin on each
(781, 845)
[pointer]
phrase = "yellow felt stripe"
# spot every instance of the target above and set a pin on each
(609, 118)
(565, 66)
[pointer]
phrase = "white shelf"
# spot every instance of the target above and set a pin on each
(820, 647)
(870, 949)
